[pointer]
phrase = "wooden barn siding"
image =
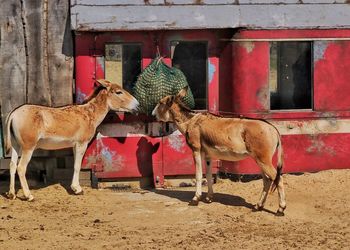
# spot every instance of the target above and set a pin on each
(36, 54)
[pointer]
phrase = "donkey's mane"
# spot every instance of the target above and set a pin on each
(93, 94)
(184, 107)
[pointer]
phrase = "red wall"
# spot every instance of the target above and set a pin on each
(238, 73)
(310, 148)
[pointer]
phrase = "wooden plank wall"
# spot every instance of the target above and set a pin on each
(36, 54)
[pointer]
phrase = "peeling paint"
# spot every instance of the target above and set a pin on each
(211, 71)
(318, 146)
(110, 160)
(263, 96)
(249, 46)
(80, 96)
(313, 127)
(176, 143)
(320, 49)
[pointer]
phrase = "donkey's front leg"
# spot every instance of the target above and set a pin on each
(79, 150)
(198, 161)
(209, 176)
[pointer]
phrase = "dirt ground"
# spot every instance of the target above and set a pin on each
(317, 217)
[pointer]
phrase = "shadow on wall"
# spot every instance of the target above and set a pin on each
(144, 154)
(67, 45)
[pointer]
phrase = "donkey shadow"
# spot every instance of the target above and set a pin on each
(224, 199)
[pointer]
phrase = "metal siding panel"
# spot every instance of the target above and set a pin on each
(114, 157)
(177, 155)
(250, 77)
(331, 75)
(85, 67)
(213, 82)
(303, 153)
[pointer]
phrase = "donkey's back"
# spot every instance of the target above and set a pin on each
(235, 138)
(49, 128)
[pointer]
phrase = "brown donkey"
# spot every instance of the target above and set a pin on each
(35, 127)
(230, 139)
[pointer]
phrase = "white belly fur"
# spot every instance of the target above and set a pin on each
(54, 143)
(223, 153)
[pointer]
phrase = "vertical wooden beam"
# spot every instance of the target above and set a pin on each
(60, 53)
(38, 88)
(12, 57)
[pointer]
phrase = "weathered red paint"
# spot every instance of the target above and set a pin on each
(287, 34)
(250, 71)
(111, 157)
(134, 156)
(213, 84)
(238, 85)
(303, 153)
(84, 67)
(332, 77)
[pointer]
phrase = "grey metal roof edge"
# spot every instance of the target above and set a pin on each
(101, 18)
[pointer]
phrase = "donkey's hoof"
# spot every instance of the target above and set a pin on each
(193, 203)
(208, 200)
(30, 198)
(257, 208)
(81, 192)
(279, 213)
(11, 196)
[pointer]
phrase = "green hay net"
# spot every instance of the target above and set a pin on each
(157, 81)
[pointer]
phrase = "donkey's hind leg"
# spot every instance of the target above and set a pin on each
(21, 170)
(269, 174)
(13, 167)
(282, 198)
(267, 183)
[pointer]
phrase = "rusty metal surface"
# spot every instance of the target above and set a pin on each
(149, 15)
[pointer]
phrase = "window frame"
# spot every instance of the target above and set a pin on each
(277, 76)
(124, 43)
(206, 43)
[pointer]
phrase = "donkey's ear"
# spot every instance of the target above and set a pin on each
(105, 83)
(182, 93)
(170, 100)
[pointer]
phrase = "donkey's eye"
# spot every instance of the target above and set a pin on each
(119, 92)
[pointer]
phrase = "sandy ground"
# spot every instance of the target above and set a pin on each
(317, 217)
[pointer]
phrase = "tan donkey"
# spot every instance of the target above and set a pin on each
(230, 139)
(33, 127)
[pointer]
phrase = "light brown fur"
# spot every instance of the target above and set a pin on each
(230, 139)
(33, 127)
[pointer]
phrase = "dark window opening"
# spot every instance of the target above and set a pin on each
(123, 64)
(191, 59)
(290, 75)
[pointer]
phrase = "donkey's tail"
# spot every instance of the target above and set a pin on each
(8, 144)
(279, 164)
